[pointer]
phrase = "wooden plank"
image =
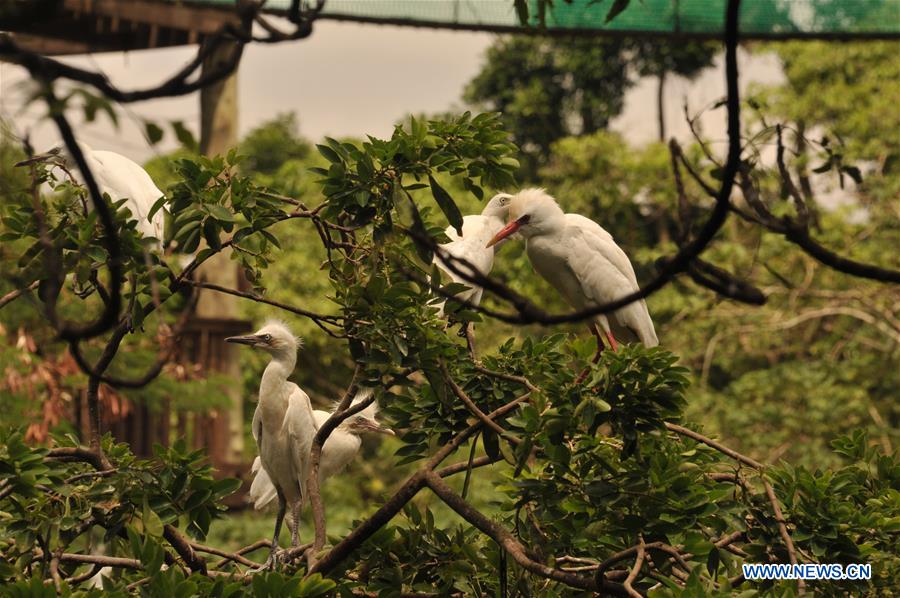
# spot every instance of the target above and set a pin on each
(203, 19)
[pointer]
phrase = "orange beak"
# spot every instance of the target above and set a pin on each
(506, 231)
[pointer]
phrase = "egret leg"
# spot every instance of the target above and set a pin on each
(273, 558)
(295, 524)
(469, 331)
(612, 341)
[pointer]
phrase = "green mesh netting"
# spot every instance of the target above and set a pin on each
(759, 18)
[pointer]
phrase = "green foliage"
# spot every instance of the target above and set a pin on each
(550, 88)
(585, 469)
(850, 89)
(272, 144)
(49, 505)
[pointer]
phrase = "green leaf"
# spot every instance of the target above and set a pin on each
(152, 524)
(712, 561)
(221, 213)
(491, 443)
(328, 153)
(184, 136)
(154, 132)
(617, 7)
(157, 206)
(447, 205)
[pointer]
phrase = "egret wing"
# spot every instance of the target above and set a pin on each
(606, 274)
(599, 239)
(301, 429)
(262, 490)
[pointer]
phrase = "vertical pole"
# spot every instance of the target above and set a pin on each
(218, 134)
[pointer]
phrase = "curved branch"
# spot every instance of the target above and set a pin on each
(154, 371)
(801, 238)
(184, 550)
(111, 308)
(509, 543)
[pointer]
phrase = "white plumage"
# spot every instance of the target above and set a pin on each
(582, 261)
(121, 178)
(477, 230)
(340, 448)
(283, 424)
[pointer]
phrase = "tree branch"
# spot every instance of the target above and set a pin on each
(509, 543)
(15, 294)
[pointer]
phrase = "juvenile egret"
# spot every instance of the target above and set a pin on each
(477, 230)
(122, 178)
(283, 424)
(340, 448)
(582, 261)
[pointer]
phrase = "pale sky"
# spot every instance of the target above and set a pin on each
(345, 80)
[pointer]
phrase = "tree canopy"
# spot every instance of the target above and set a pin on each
(762, 430)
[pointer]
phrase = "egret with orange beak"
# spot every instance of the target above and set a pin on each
(582, 261)
(477, 230)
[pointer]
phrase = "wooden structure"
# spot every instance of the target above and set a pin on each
(82, 26)
(60, 27)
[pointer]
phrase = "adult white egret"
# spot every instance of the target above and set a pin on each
(283, 424)
(122, 178)
(582, 261)
(340, 448)
(477, 230)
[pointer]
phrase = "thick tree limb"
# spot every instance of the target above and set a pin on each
(195, 562)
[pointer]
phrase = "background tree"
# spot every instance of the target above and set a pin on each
(654, 58)
(550, 88)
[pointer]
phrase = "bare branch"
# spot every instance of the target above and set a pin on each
(635, 569)
(319, 319)
(15, 294)
(716, 445)
(782, 528)
(184, 550)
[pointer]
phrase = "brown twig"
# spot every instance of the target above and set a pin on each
(473, 408)
(635, 569)
(782, 528)
(15, 294)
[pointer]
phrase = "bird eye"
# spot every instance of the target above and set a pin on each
(267, 337)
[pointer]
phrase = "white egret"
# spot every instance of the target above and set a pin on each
(477, 230)
(122, 178)
(283, 424)
(582, 261)
(340, 448)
